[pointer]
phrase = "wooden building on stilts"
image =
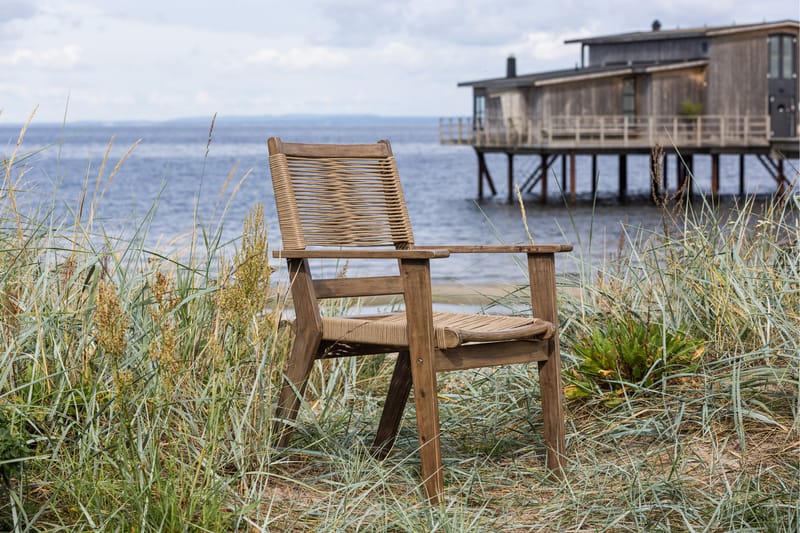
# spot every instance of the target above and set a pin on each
(711, 91)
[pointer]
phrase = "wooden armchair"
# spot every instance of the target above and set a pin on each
(334, 197)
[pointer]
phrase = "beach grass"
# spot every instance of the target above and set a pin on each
(137, 390)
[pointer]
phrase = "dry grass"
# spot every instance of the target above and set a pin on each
(136, 393)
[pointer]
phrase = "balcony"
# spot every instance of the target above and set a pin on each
(611, 132)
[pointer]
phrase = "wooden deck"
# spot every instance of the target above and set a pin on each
(612, 133)
(568, 136)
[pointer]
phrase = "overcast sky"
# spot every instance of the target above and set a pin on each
(161, 59)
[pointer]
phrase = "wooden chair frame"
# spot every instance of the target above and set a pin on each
(422, 356)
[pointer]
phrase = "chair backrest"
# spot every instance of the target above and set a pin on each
(338, 195)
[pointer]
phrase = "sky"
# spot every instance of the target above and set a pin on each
(114, 60)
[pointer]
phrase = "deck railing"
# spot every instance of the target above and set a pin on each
(609, 131)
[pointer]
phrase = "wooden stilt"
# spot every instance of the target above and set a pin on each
(623, 178)
(545, 170)
(483, 173)
(665, 182)
(741, 176)
(595, 177)
(781, 178)
(690, 175)
(714, 175)
(510, 177)
(572, 198)
(654, 181)
(564, 173)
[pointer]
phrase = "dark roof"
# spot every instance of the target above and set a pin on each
(689, 33)
(574, 74)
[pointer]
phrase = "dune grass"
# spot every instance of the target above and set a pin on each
(137, 389)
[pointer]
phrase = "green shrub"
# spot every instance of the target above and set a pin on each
(623, 351)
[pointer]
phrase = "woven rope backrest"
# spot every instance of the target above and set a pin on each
(338, 195)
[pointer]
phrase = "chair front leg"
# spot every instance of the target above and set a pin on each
(304, 349)
(419, 316)
(301, 361)
(542, 277)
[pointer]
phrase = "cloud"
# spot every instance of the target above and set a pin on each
(58, 58)
(17, 9)
(12, 12)
(299, 58)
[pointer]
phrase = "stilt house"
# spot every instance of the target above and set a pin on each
(713, 90)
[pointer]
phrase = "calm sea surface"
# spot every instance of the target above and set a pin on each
(175, 172)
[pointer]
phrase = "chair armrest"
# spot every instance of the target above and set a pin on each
(360, 253)
(500, 248)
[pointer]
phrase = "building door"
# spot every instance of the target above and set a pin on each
(782, 85)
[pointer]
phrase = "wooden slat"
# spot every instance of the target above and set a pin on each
(355, 151)
(481, 355)
(361, 254)
(416, 280)
(342, 287)
(499, 248)
(542, 272)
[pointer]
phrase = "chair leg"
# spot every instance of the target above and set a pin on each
(553, 411)
(396, 398)
(541, 269)
(426, 402)
(419, 314)
(301, 360)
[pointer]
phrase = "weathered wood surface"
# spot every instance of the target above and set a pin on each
(357, 287)
(542, 272)
(416, 281)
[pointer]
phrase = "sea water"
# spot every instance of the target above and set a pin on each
(185, 176)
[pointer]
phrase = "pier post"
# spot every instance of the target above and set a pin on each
(545, 170)
(741, 176)
(623, 178)
(594, 176)
(690, 174)
(564, 173)
(665, 184)
(483, 172)
(781, 179)
(714, 175)
(510, 177)
(572, 198)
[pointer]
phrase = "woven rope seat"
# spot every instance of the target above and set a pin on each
(450, 329)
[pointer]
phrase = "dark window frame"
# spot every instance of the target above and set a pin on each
(479, 111)
(782, 53)
(629, 97)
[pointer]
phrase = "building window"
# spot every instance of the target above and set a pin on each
(628, 98)
(782, 53)
(787, 53)
(479, 112)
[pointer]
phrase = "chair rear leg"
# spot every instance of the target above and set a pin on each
(301, 361)
(396, 398)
